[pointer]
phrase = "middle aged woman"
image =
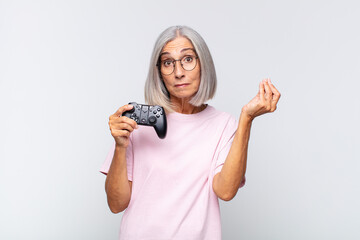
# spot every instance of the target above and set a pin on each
(170, 187)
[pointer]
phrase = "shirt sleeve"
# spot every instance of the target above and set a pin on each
(225, 145)
(129, 160)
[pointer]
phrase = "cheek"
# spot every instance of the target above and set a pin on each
(196, 76)
(167, 82)
(197, 72)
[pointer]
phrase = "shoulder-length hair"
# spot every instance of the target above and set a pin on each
(155, 89)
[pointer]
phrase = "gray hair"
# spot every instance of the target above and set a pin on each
(155, 90)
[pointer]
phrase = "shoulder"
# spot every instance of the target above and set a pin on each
(223, 117)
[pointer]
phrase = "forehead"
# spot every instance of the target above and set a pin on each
(175, 46)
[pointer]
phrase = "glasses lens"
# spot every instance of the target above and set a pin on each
(188, 62)
(167, 67)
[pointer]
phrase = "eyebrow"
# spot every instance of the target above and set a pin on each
(182, 50)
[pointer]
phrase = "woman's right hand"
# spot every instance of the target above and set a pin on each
(121, 126)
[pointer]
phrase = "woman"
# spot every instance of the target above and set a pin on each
(170, 187)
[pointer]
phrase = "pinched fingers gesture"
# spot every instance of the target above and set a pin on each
(121, 126)
(264, 102)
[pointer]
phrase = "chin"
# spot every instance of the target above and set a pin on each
(184, 95)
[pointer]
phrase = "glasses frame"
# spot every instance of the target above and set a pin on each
(174, 63)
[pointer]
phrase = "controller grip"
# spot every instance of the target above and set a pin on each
(161, 128)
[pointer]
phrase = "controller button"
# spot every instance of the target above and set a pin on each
(154, 111)
(159, 109)
(157, 115)
(143, 120)
(152, 119)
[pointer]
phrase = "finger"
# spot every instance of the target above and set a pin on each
(120, 133)
(124, 126)
(276, 95)
(126, 120)
(116, 121)
(275, 92)
(274, 99)
(117, 125)
(129, 121)
(262, 91)
(123, 109)
(268, 92)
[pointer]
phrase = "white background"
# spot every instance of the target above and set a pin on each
(66, 66)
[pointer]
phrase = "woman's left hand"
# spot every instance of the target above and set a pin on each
(265, 101)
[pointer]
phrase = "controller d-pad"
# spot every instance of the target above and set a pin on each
(135, 119)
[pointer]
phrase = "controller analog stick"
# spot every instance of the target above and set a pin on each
(132, 110)
(152, 119)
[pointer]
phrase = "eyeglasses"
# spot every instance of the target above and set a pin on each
(167, 66)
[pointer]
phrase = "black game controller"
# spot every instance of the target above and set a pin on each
(149, 115)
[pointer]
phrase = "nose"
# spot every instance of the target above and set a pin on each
(179, 71)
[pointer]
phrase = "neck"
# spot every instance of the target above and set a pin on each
(183, 106)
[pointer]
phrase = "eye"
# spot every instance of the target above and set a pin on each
(188, 59)
(167, 63)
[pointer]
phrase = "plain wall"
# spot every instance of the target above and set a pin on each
(66, 66)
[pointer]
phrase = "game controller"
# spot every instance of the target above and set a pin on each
(149, 115)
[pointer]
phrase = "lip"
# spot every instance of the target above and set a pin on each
(182, 85)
